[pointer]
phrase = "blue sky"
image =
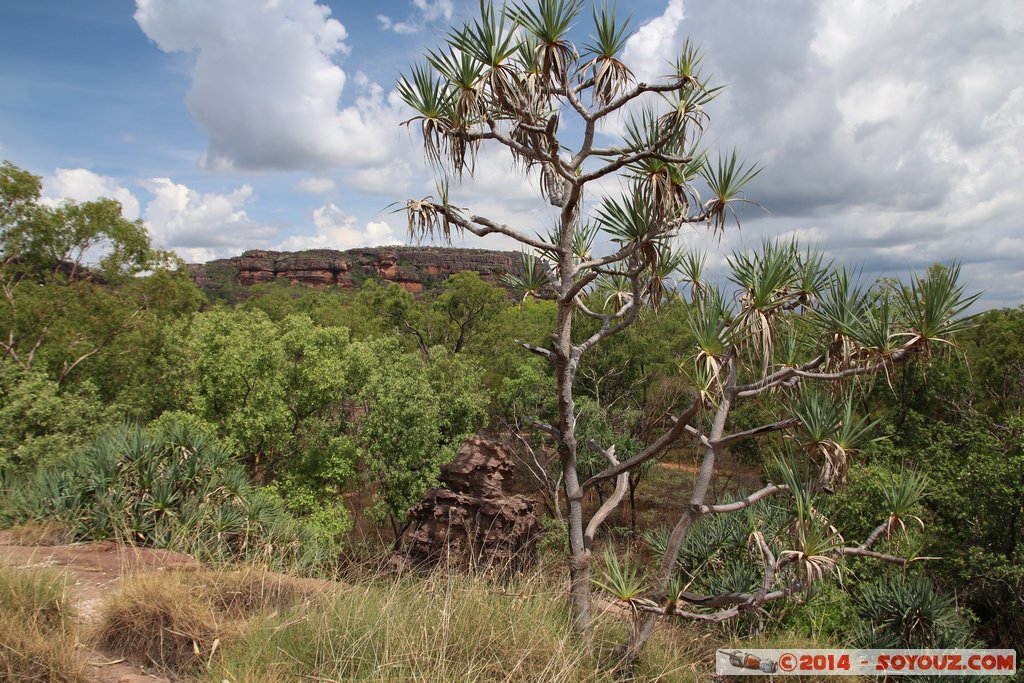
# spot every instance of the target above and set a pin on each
(891, 131)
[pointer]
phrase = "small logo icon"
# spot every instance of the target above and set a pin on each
(744, 660)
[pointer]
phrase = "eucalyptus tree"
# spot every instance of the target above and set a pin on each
(53, 312)
(513, 78)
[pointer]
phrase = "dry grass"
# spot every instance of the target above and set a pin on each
(163, 621)
(40, 533)
(37, 628)
(252, 625)
(250, 591)
(177, 621)
(445, 627)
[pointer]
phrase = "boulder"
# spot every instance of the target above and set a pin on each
(472, 520)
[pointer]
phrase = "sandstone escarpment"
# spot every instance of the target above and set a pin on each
(414, 268)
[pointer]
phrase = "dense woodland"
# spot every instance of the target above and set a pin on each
(294, 427)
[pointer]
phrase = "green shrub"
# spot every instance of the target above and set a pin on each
(902, 611)
(40, 422)
(173, 486)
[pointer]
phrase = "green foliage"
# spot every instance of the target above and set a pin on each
(994, 348)
(69, 318)
(231, 378)
(903, 611)
(463, 311)
(40, 422)
(974, 512)
(327, 307)
(45, 243)
(172, 486)
(621, 578)
(416, 416)
(714, 557)
(826, 614)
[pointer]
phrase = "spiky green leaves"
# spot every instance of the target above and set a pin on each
(687, 64)
(621, 578)
(662, 174)
(933, 306)
(775, 279)
(629, 220)
(611, 76)
(531, 279)
(711, 325)
(549, 22)
(726, 180)
(490, 41)
(903, 495)
(829, 431)
(813, 539)
(435, 104)
(873, 325)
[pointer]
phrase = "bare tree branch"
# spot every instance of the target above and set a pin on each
(757, 431)
(753, 498)
(621, 484)
(545, 353)
(480, 226)
(654, 450)
(546, 428)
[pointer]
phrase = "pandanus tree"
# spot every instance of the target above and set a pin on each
(513, 78)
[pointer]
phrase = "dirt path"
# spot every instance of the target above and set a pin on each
(94, 571)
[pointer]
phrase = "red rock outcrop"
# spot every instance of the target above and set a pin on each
(472, 520)
(414, 268)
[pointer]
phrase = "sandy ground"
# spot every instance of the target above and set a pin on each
(94, 571)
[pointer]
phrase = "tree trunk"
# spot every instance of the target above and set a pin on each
(693, 513)
(579, 592)
(566, 361)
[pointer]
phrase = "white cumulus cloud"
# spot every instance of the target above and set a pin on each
(656, 44)
(83, 185)
(336, 229)
(202, 226)
(423, 12)
(265, 85)
(315, 185)
(889, 130)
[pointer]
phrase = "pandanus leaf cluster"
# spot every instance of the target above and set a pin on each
(514, 75)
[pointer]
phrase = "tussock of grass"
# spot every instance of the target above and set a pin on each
(37, 628)
(40, 533)
(446, 627)
(178, 620)
(250, 591)
(161, 620)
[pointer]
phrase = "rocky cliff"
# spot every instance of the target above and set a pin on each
(414, 268)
